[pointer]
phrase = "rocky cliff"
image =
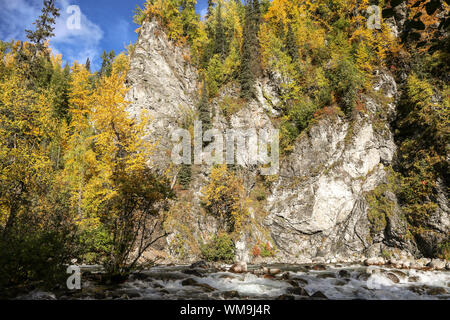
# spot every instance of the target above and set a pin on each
(319, 205)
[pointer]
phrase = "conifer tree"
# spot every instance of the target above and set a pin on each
(291, 44)
(185, 174)
(250, 67)
(107, 62)
(44, 25)
(203, 109)
(210, 7)
(87, 65)
(220, 38)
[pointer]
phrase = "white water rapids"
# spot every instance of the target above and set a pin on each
(335, 282)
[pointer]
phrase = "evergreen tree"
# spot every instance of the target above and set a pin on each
(210, 6)
(250, 67)
(220, 38)
(185, 174)
(291, 44)
(107, 61)
(44, 25)
(203, 109)
(87, 65)
(189, 19)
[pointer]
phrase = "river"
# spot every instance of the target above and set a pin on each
(291, 282)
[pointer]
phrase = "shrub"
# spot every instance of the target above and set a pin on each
(346, 80)
(220, 248)
(288, 133)
(214, 76)
(184, 176)
(263, 250)
(301, 113)
(443, 250)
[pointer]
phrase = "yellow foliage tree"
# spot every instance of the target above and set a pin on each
(224, 197)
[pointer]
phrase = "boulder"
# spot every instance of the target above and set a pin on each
(238, 267)
(375, 261)
(436, 291)
(319, 267)
(437, 264)
(199, 264)
(298, 291)
(319, 295)
(392, 277)
(344, 274)
(231, 294)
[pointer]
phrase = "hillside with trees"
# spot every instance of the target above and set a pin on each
(77, 179)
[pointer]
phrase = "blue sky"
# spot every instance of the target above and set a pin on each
(105, 25)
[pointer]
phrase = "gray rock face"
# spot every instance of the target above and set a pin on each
(317, 207)
(163, 83)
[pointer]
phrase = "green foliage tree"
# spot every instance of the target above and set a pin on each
(204, 109)
(291, 44)
(220, 248)
(250, 65)
(107, 61)
(220, 39)
(44, 25)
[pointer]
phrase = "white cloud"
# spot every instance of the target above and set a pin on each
(74, 44)
(16, 16)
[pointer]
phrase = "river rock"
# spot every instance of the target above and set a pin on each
(392, 277)
(396, 263)
(298, 291)
(319, 267)
(193, 272)
(344, 274)
(273, 271)
(417, 290)
(399, 273)
(301, 281)
(437, 264)
(189, 282)
(231, 294)
(139, 276)
(436, 291)
(363, 277)
(424, 261)
(238, 267)
(319, 260)
(132, 293)
(166, 276)
(319, 295)
(194, 283)
(341, 282)
(416, 265)
(326, 275)
(293, 283)
(375, 261)
(199, 264)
